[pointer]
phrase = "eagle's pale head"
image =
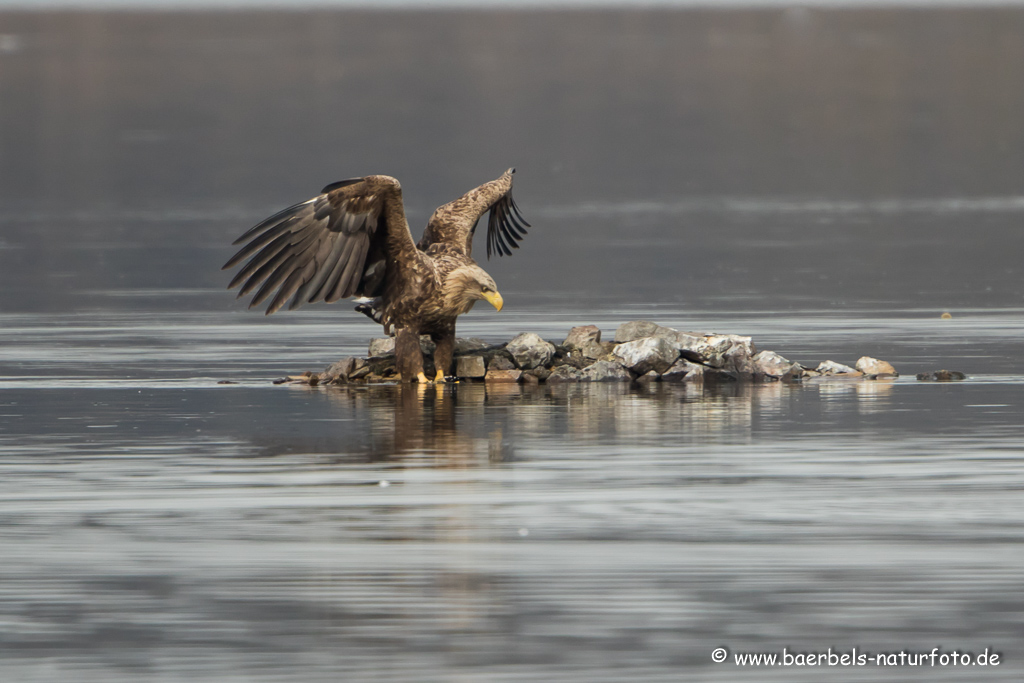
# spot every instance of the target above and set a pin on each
(468, 284)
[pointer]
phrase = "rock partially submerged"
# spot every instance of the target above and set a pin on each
(642, 352)
(941, 376)
(874, 368)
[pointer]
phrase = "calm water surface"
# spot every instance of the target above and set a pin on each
(827, 182)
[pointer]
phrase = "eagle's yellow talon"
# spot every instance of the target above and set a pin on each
(439, 377)
(421, 378)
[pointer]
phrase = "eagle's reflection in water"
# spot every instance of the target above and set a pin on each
(439, 425)
(476, 424)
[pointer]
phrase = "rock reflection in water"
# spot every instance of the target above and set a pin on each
(473, 424)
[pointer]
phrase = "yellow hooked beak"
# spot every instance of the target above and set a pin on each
(494, 299)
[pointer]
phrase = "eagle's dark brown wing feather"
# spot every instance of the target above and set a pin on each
(505, 226)
(455, 223)
(334, 246)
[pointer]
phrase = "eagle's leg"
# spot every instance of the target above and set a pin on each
(444, 342)
(408, 357)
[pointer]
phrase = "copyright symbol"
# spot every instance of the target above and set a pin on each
(719, 654)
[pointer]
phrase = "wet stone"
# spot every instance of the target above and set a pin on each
(648, 377)
(941, 376)
(592, 350)
(717, 350)
(830, 367)
(564, 373)
(684, 371)
(470, 367)
(499, 362)
(646, 354)
(606, 371)
(466, 345)
(579, 337)
(773, 365)
(339, 371)
(383, 346)
(503, 376)
(873, 368)
(540, 373)
(530, 350)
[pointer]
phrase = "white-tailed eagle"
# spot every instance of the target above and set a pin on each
(353, 240)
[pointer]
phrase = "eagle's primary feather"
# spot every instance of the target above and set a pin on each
(353, 240)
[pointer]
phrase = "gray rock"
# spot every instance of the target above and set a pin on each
(579, 337)
(503, 375)
(872, 367)
(606, 371)
(339, 371)
(730, 351)
(530, 350)
(592, 350)
(646, 354)
(541, 373)
(773, 365)
(470, 367)
(684, 371)
(638, 329)
(501, 363)
(648, 377)
(830, 367)
(469, 345)
(564, 373)
(385, 346)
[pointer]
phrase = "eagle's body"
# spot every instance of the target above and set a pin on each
(353, 240)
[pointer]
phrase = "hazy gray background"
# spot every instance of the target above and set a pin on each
(821, 158)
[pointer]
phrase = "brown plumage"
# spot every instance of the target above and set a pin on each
(353, 240)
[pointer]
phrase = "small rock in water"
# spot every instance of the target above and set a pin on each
(941, 376)
(579, 337)
(946, 316)
(564, 373)
(830, 368)
(530, 350)
(773, 365)
(227, 381)
(339, 371)
(874, 368)
(503, 375)
(606, 371)
(540, 373)
(470, 367)
(648, 377)
(646, 354)
(683, 371)
(499, 362)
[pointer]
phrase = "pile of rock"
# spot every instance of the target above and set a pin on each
(641, 352)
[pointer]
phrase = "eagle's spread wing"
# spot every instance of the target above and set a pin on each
(454, 223)
(334, 246)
